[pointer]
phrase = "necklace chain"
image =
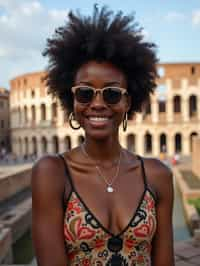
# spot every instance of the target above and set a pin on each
(109, 184)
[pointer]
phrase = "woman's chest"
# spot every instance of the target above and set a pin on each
(83, 228)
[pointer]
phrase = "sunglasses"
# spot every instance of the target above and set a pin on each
(85, 94)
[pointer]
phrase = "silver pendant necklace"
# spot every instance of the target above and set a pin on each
(109, 187)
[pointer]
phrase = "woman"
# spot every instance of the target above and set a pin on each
(99, 204)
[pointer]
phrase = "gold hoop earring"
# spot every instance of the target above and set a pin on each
(72, 118)
(125, 121)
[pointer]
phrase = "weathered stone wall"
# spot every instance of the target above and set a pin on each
(196, 156)
(15, 220)
(5, 246)
(4, 117)
(10, 185)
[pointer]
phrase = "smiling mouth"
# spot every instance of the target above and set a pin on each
(98, 119)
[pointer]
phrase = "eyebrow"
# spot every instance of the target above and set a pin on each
(108, 83)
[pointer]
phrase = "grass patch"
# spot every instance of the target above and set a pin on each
(23, 249)
(191, 179)
(195, 203)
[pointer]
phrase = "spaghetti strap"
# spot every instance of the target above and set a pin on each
(143, 171)
(67, 173)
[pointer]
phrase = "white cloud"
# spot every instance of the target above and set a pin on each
(31, 8)
(175, 16)
(3, 52)
(24, 27)
(196, 17)
(146, 34)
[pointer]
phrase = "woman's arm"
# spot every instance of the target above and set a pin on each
(162, 250)
(48, 215)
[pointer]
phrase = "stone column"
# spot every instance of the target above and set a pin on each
(39, 147)
(60, 116)
(48, 112)
(169, 107)
(185, 144)
(74, 140)
(140, 144)
(170, 145)
(37, 114)
(123, 139)
(22, 118)
(29, 118)
(139, 118)
(30, 146)
(62, 147)
(155, 145)
(185, 109)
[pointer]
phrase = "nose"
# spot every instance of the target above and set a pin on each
(98, 101)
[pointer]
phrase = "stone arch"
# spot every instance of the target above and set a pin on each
(55, 143)
(43, 111)
(177, 103)
(26, 152)
(54, 109)
(2, 144)
(20, 146)
(192, 135)
(67, 142)
(44, 145)
(148, 143)
(34, 145)
(178, 143)
(33, 113)
(19, 116)
(161, 106)
(131, 142)
(80, 139)
(25, 114)
(193, 70)
(163, 142)
(32, 93)
(192, 105)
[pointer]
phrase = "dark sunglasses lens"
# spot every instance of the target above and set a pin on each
(84, 94)
(112, 95)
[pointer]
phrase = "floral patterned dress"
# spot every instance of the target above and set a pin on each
(89, 243)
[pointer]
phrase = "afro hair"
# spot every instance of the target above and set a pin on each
(104, 36)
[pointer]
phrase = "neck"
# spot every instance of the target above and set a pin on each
(101, 150)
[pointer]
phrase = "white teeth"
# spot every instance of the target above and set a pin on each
(98, 118)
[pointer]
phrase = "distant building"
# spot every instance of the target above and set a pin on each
(168, 124)
(4, 121)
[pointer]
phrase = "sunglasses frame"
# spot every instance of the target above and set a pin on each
(95, 91)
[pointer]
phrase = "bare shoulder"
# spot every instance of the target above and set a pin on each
(159, 176)
(48, 172)
(157, 168)
(47, 165)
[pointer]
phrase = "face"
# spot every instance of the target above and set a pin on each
(99, 118)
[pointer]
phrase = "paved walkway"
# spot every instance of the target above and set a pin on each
(6, 170)
(186, 253)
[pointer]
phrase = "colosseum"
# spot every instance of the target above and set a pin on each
(168, 123)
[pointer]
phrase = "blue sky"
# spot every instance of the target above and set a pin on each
(25, 24)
